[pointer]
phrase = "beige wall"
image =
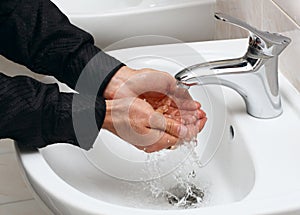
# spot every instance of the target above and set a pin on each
(281, 16)
(291, 7)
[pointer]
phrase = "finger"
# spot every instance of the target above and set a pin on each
(177, 118)
(183, 116)
(194, 129)
(185, 104)
(196, 113)
(180, 92)
(201, 123)
(176, 128)
(185, 120)
(186, 117)
(182, 98)
(168, 125)
(199, 113)
(166, 141)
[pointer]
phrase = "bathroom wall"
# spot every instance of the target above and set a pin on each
(281, 16)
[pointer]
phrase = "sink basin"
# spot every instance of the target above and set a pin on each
(112, 21)
(247, 165)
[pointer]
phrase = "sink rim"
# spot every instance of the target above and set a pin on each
(131, 10)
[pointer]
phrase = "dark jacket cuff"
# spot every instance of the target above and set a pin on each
(96, 74)
(75, 119)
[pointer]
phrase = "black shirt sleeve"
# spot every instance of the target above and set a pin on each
(36, 114)
(35, 33)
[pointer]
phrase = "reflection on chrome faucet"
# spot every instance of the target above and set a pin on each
(254, 76)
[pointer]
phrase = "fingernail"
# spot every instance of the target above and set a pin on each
(198, 104)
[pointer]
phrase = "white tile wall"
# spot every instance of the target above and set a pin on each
(291, 7)
(242, 9)
(29, 207)
(277, 21)
(12, 186)
(6, 146)
(15, 197)
(280, 16)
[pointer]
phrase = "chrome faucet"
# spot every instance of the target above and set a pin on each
(254, 76)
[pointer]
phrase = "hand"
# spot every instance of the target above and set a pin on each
(135, 121)
(193, 119)
(156, 88)
(159, 92)
(128, 82)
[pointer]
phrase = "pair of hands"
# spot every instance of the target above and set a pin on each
(147, 109)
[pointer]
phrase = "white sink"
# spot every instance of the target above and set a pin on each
(254, 171)
(115, 20)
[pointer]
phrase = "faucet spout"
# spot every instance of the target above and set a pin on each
(215, 71)
(254, 76)
(247, 76)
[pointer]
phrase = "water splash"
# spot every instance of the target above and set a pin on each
(181, 188)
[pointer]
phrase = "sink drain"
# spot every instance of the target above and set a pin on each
(185, 195)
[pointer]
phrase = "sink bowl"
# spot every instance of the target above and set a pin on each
(112, 21)
(245, 165)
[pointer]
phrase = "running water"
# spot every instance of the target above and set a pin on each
(181, 187)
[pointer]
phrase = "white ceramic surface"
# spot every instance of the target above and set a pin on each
(112, 21)
(256, 171)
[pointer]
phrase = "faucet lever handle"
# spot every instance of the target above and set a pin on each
(268, 39)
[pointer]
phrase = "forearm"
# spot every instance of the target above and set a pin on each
(35, 33)
(36, 114)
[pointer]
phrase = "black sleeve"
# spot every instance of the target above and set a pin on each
(35, 33)
(36, 114)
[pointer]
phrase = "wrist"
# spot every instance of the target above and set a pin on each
(119, 78)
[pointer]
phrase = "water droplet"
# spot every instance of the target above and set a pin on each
(192, 174)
